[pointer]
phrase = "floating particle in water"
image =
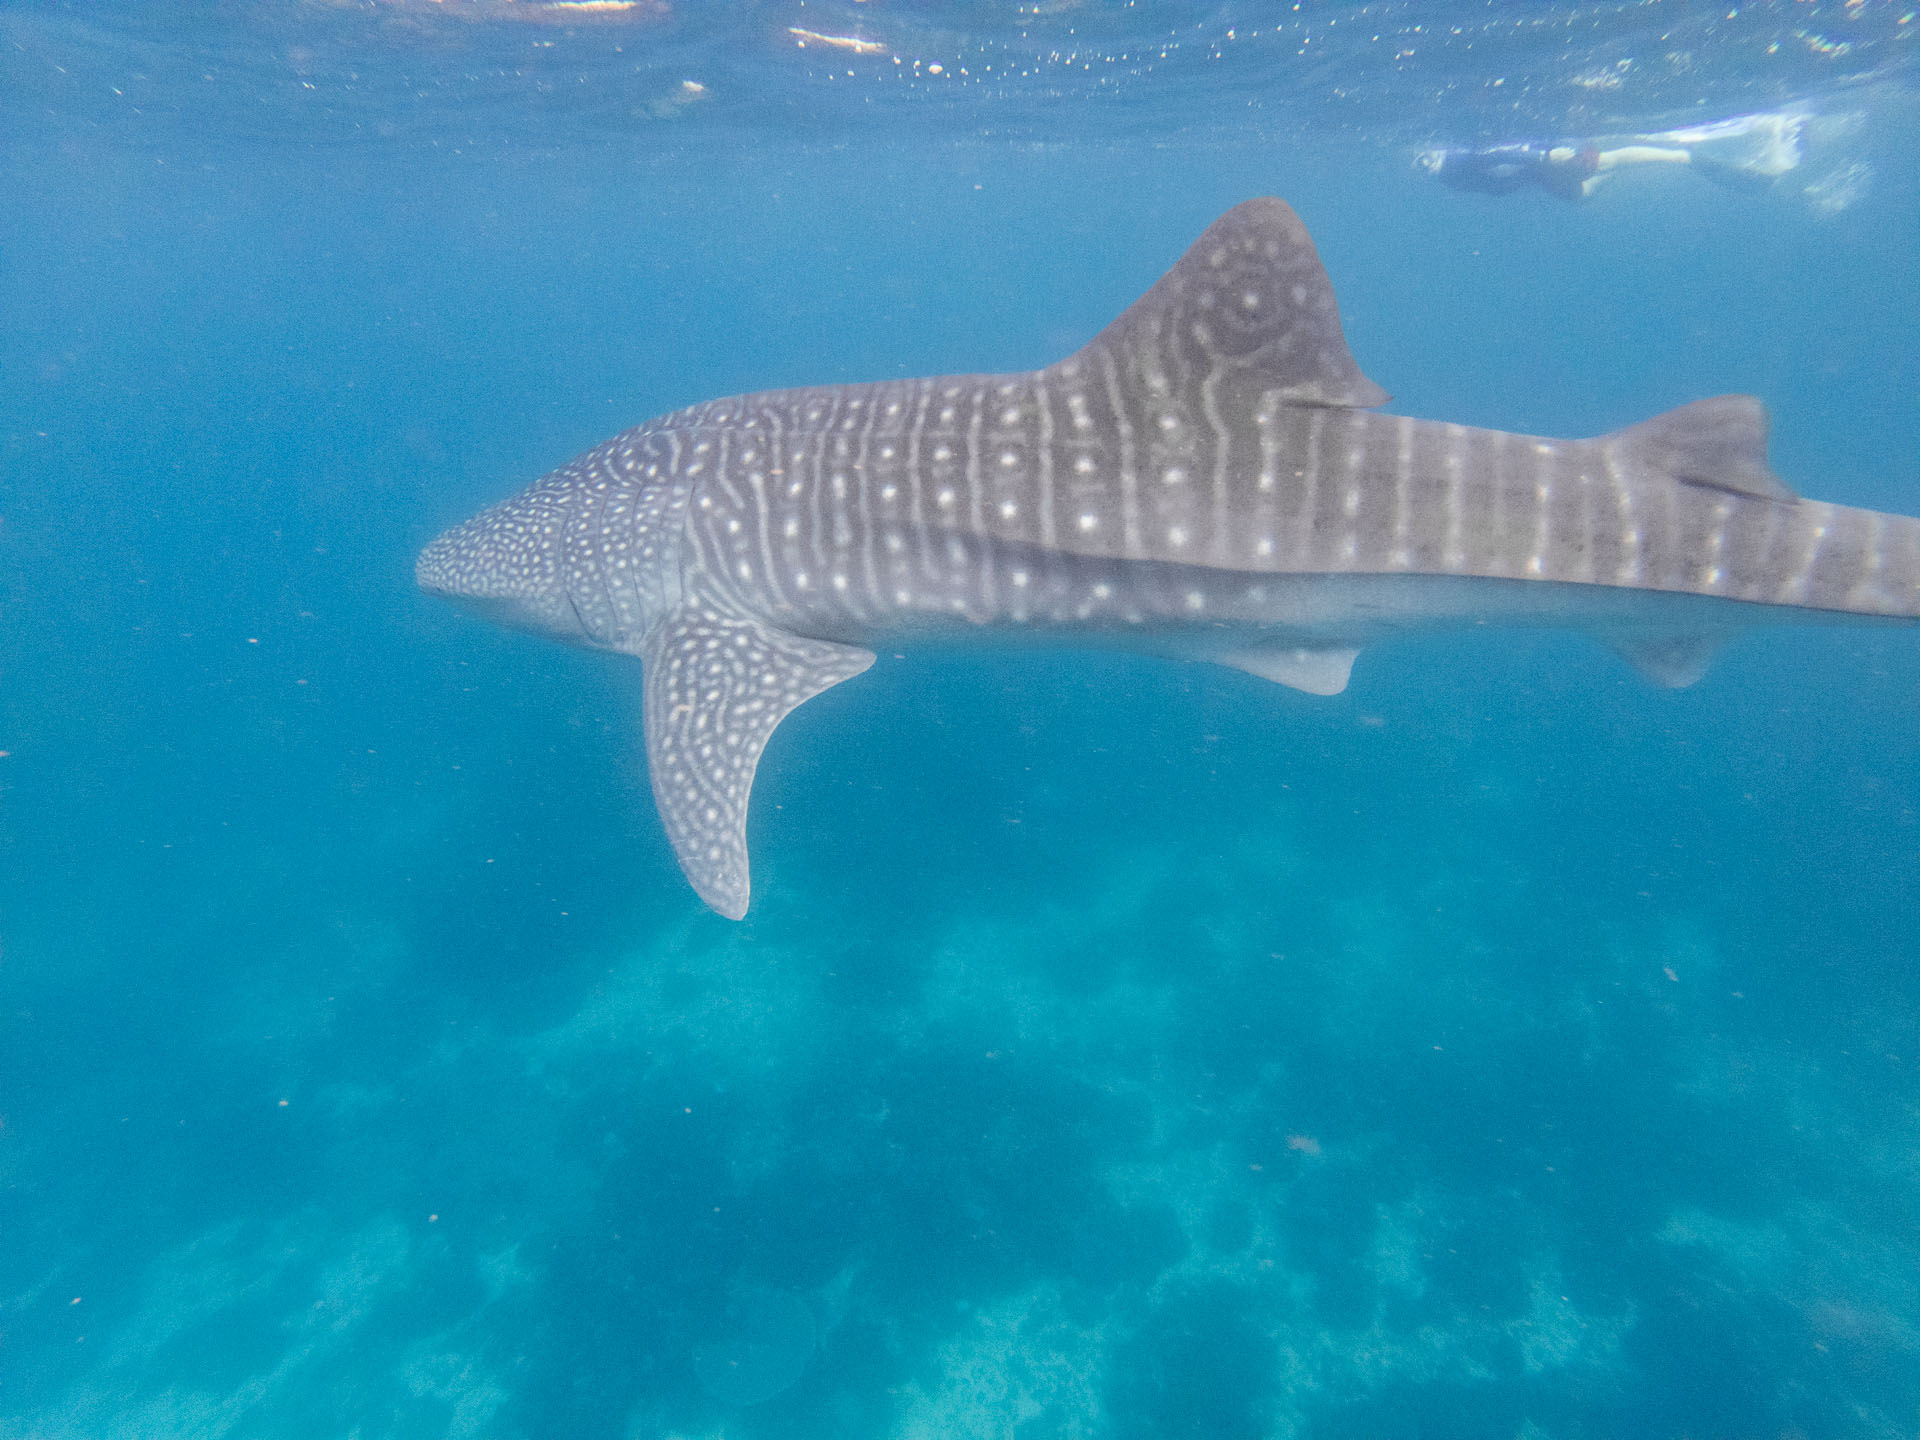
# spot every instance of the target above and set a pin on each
(760, 1347)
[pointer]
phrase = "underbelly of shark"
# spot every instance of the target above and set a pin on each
(1306, 630)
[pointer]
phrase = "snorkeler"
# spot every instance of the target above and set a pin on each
(1745, 151)
(1503, 169)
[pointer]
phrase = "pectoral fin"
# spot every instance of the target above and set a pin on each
(716, 686)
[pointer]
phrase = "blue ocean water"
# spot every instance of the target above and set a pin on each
(1116, 1047)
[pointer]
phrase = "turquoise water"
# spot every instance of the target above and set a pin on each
(1116, 1047)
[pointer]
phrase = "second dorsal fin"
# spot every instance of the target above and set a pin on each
(1250, 296)
(1717, 444)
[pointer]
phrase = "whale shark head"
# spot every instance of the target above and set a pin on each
(505, 565)
(588, 554)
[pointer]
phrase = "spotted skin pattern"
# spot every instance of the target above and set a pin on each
(1207, 478)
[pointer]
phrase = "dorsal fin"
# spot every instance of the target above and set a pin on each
(1251, 297)
(1720, 444)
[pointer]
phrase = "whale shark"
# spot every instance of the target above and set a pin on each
(1209, 478)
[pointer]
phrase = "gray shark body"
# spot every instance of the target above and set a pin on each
(1205, 479)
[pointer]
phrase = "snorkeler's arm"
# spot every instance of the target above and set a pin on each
(1642, 155)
